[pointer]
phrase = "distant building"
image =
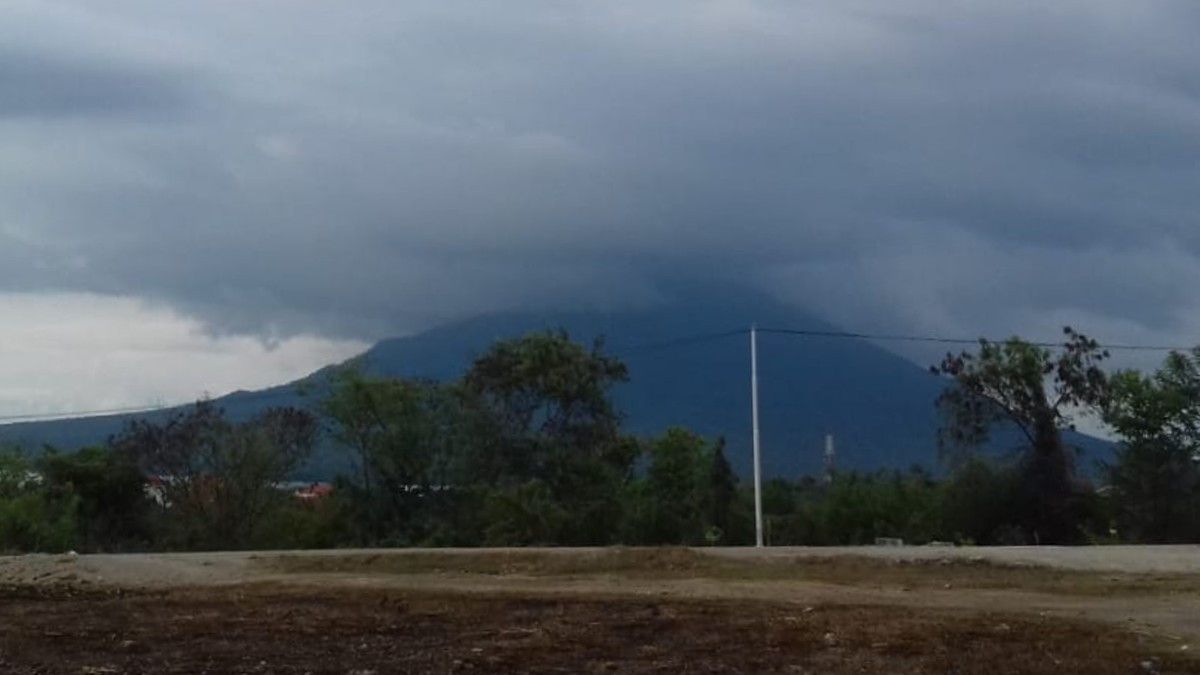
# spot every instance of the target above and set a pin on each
(157, 487)
(312, 493)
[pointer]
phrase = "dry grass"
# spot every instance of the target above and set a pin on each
(682, 563)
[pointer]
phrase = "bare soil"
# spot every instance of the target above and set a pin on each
(286, 630)
(593, 610)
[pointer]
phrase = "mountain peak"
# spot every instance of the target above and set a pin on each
(879, 406)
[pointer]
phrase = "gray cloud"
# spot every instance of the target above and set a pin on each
(282, 167)
(41, 86)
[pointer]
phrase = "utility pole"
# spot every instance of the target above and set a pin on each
(758, 517)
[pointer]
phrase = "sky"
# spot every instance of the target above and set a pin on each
(202, 196)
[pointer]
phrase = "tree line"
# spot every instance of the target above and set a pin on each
(527, 448)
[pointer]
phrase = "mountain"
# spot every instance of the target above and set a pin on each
(878, 406)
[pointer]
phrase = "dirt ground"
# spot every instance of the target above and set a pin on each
(594, 610)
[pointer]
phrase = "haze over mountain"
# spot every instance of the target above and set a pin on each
(878, 406)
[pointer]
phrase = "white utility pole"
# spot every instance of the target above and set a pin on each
(758, 519)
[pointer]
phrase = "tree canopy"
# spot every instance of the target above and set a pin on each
(1036, 391)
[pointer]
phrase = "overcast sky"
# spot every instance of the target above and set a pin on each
(200, 196)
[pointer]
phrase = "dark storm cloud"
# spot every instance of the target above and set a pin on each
(382, 166)
(42, 86)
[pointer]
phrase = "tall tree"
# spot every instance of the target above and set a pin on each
(722, 493)
(686, 495)
(1156, 476)
(32, 516)
(409, 439)
(113, 508)
(548, 395)
(548, 405)
(1036, 391)
(218, 479)
(676, 499)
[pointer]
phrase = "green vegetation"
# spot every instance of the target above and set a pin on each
(1032, 389)
(1155, 480)
(687, 495)
(33, 515)
(527, 449)
(212, 481)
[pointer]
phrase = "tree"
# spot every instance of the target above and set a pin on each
(524, 514)
(1155, 479)
(548, 396)
(112, 506)
(979, 499)
(1034, 390)
(852, 508)
(410, 440)
(32, 518)
(687, 494)
(722, 495)
(671, 505)
(218, 480)
(546, 411)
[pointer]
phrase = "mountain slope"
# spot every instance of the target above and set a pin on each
(879, 406)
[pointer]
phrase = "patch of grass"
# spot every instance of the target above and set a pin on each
(950, 573)
(684, 563)
(643, 563)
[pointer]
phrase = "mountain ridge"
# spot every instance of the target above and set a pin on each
(878, 405)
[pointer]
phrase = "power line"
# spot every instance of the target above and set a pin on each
(100, 412)
(886, 337)
(47, 417)
(632, 349)
(882, 337)
(680, 342)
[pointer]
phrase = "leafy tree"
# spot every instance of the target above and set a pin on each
(296, 524)
(218, 479)
(858, 508)
(31, 517)
(1034, 390)
(978, 502)
(548, 417)
(672, 504)
(788, 510)
(113, 507)
(548, 396)
(852, 508)
(525, 514)
(411, 444)
(722, 496)
(1155, 479)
